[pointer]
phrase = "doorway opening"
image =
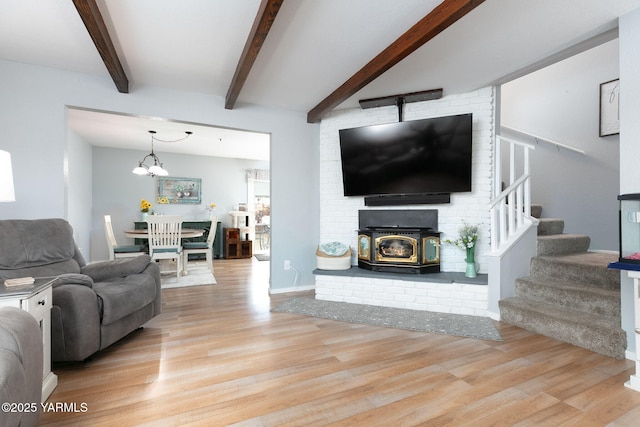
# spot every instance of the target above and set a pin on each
(259, 196)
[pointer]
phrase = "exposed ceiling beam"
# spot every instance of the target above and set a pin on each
(436, 21)
(93, 21)
(261, 26)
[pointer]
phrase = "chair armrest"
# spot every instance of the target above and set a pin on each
(73, 279)
(154, 270)
(75, 323)
(20, 362)
(121, 267)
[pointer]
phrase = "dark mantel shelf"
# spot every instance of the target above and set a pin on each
(442, 277)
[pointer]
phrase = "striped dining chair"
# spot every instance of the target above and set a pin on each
(164, 239)
(118, 251)
(201, 247)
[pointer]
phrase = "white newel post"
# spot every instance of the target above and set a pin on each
(634, 380)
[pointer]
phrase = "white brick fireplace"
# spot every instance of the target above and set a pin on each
(339, 214)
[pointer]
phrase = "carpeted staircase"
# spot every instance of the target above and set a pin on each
(570, 294)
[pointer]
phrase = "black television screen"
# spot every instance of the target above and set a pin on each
(414, 157)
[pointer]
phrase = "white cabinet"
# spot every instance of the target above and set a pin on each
(36, 299)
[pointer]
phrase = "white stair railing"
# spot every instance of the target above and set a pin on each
(511, 208)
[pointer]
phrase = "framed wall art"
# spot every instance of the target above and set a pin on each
(610, 108)
(179, 190)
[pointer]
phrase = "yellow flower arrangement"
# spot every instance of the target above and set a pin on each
(164, 200)
(211, 207)
(145, 205)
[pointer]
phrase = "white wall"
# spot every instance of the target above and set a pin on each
(33, 129)
(116, 191)
(339, 214)
(629, 146)
(561, 102)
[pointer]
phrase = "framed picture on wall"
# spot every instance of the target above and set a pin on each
(610, 108)
(179, 190)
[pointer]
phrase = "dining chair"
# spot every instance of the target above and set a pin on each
(118, 251)
(201, 247)
(164, 239)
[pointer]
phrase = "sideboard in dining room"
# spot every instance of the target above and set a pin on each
(218, 248)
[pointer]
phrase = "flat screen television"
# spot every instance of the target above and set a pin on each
(428, 156)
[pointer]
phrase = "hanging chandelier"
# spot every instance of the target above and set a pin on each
(156, 169)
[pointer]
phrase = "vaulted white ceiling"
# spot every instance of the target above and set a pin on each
(312, 48)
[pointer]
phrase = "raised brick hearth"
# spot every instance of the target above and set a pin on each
(441, 292)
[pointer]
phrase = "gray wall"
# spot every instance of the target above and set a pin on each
(33, 128)
(79, 179)
(116, 191)
(561, 102)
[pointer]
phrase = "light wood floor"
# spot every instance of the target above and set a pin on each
(217, 356)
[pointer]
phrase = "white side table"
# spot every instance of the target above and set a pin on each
(36, 299)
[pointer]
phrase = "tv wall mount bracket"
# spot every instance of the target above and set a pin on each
(400, 100)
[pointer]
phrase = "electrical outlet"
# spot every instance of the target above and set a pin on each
(287, 264)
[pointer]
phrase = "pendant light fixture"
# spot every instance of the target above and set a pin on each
(156, 169)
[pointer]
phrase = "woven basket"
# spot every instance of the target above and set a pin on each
(329, 262)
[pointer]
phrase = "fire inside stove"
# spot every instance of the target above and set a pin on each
(399, 249)
(396, 248)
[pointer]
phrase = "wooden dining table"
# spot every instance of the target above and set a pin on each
(186, 233)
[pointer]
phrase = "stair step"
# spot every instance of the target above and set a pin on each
(589, 268)
(562, 244)
(588, 331)
(576, 296)
(536, 211)
(549, 226)
(571, 295)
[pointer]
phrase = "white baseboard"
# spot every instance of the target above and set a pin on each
(291, 289)
(630, 355)
(493, 316)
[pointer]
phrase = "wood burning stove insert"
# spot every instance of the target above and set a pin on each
(402, 247)
(399, 249)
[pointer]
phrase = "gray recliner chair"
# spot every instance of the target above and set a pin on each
(20, 367)
(94, 305)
